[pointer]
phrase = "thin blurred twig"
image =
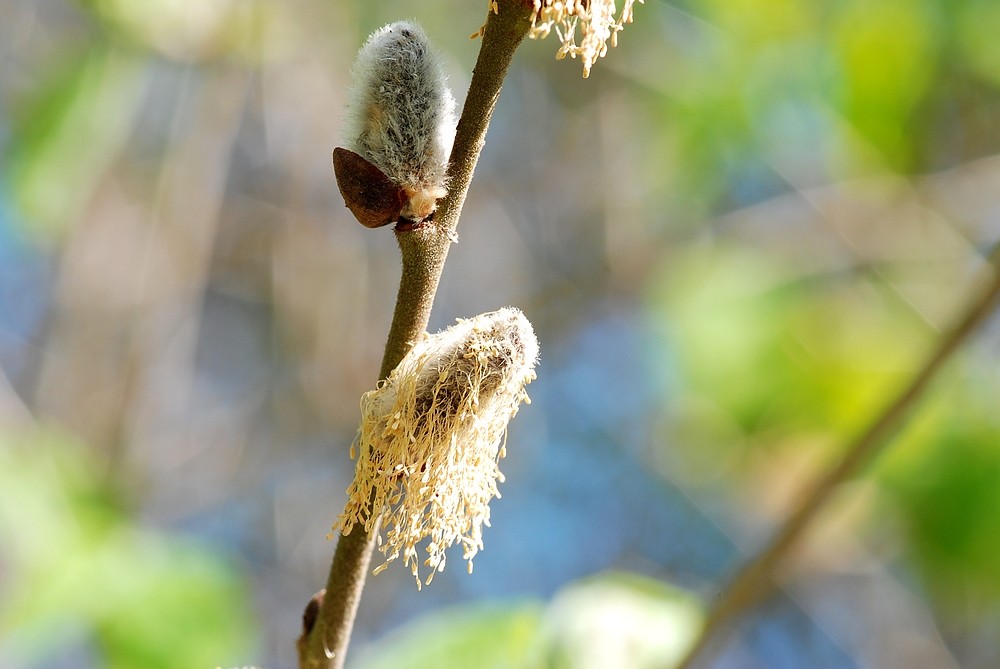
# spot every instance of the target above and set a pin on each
(327, 631)
(753, 580)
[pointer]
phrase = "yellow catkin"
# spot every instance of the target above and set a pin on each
(432, 435)
(593, 19)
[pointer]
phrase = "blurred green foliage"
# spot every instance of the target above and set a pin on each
(81, 577)
(774, 351)
(942, 481)
(492, 637)
(757, 96)
(781, 359)
(68, 131)
(976, 30)
(615, 619)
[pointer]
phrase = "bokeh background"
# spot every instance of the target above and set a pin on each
(735, 240)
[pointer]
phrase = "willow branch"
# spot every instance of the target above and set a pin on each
(753, 580)
(329, 618)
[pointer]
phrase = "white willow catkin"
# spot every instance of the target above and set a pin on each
(401, 113)
(431, 437)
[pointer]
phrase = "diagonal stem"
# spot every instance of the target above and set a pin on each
(329, 618)
(753, 580)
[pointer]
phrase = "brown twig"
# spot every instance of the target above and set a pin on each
(753, 580)
(326, 633)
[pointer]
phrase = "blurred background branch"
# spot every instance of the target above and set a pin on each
(754, 579)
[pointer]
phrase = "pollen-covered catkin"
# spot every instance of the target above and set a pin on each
(432, 436)
(595, 21)
(401, 114)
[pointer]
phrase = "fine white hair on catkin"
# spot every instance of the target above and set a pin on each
(432, 435)
(401, 113)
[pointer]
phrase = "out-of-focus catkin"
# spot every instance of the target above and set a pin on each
(432, 435)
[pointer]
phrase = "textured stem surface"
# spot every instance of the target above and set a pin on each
(754, 579)
(326, 634)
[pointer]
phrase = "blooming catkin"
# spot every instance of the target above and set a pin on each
(432, 435)
(401, 114)
(595, 20)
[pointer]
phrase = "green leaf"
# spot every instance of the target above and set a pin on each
(497, 636)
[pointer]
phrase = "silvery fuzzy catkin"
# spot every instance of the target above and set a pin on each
(401, 114)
